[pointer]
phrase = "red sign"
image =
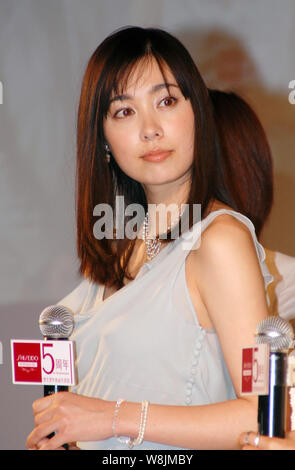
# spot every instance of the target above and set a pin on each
(27, 362)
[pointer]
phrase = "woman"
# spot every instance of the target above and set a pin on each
(159, 324)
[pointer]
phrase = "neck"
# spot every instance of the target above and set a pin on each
(170, 193)
(164, 204)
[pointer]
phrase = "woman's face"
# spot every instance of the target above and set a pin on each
(150, 129)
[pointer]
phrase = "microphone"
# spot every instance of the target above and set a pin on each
(279, 335)
(56, 323)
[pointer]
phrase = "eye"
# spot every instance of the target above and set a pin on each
(168, 101)
(124, 112)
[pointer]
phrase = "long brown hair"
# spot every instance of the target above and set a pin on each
(247, 168)
(108, 70)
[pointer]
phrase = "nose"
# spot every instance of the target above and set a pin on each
(151, 129)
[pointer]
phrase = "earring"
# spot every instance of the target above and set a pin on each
(108, 153)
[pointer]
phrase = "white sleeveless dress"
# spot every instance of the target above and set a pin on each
(144, 341)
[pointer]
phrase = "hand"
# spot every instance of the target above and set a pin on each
(72, 417)
(254, 441)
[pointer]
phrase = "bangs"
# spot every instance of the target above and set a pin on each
(119, 76)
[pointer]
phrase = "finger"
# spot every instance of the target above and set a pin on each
(46, 446)
(244, 438)
(73, 447)
(41, 432)
(250, 440)
(41, 443)
(54, 443)
(259, 442)
(42, 403)
(255, 441)
(43, 416)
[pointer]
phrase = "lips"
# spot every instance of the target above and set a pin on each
(157, 155)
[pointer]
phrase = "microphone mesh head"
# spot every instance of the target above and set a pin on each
(56, 322)
(276, 332)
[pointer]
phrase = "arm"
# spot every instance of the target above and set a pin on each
(78, 418)
(230, 284)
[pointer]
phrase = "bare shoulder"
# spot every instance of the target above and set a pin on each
(224, 229)
(226, 254)
(226, 274)
(226, 235)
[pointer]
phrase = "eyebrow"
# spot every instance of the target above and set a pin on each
(154, 89)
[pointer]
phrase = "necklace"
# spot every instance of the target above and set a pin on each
(152, 243)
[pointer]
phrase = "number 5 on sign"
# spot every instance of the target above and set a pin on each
(51, 367)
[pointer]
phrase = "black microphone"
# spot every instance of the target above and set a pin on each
(279, 335)
(56, 323)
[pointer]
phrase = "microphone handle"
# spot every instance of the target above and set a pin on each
(51, 389)
(272, 407)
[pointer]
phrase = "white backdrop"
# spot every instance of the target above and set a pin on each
(44, 48)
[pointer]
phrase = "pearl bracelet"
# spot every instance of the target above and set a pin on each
(122, 440)
(142, 425)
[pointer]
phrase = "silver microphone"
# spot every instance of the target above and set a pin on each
(279, 335)
(276, 332)
(56, 322)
